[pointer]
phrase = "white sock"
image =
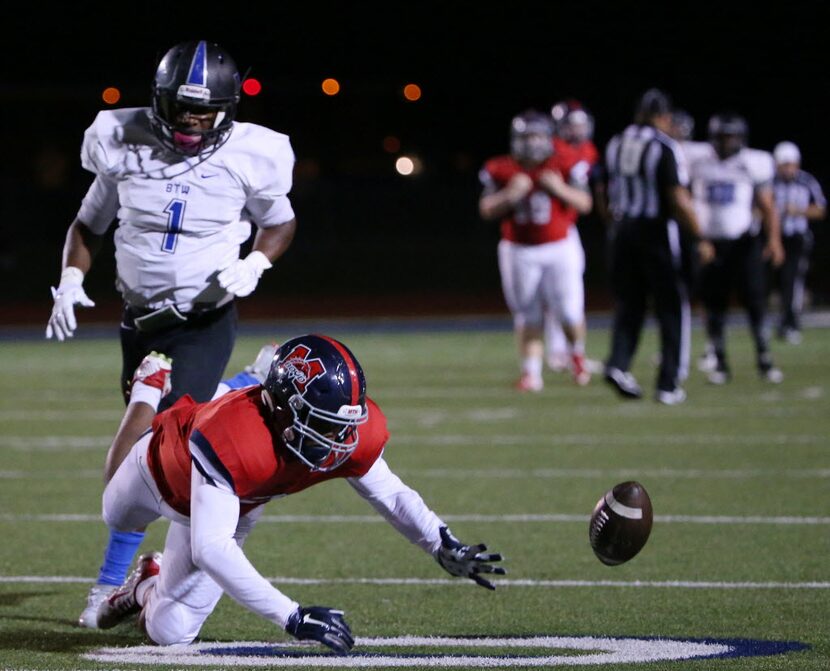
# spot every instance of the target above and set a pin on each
(144, 393)
(532, 366)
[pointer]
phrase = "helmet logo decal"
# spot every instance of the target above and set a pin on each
(300, 369)
(198, 67)
(191, 91)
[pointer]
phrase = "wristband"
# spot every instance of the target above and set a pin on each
(72, 275)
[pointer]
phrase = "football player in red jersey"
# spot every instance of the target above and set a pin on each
(210, 467)
(537, 195)
(573, 141)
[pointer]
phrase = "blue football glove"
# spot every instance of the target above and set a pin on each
(467, 561)
(322, 624)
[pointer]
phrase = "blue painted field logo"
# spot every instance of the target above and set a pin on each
(470, 652)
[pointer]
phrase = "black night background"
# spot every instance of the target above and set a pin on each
(369, 237)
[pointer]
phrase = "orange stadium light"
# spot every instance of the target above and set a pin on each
(412, 92)
(330, 86)
(251, 87)
(391, 144)
(111, 95)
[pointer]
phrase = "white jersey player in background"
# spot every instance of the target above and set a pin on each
(185, 182)
(728, 180)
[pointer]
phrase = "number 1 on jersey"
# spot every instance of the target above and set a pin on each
(175, 222)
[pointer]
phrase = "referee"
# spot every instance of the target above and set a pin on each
(799, 200)
(647, 197)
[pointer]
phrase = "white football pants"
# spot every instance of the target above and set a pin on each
(183, 596)
(543, 277)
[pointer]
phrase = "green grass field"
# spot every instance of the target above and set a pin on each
(739, 478)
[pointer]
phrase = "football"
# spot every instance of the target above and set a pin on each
(620, 523)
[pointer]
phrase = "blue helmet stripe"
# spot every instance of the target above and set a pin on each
(198, 67)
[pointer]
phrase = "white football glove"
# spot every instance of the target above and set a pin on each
(241, 277)
(466, 561)
(70, 292)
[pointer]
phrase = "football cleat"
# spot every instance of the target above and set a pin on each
(154, 371)
(624, 382)
(767, 370)
(579, 370)
(97, 594)
(791, 336)
(718, 377)
(708, 361)
(121, 603)
(529, 383)
(772, 375)
(674, 397)
(262, 364)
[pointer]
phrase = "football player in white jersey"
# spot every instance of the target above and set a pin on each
(185, 182)
(729, 180)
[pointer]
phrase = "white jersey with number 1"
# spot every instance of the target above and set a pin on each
(181, 219)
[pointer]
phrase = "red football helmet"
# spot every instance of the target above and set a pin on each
(531, 137)
(572, 122)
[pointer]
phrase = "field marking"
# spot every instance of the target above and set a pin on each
(516, 518)
(511, 473)
(506, 582)
(58, 443)
(487, 652)
(55, 443)
(12, 415)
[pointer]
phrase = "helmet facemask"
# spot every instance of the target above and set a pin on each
(170, 120)
(727, 134)
(323, 440)
(531, 138)
(195, 79)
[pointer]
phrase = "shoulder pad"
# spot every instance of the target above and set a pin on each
(105, 141)
(260, 155)
(760, 164)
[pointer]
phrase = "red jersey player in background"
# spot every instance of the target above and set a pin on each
(537, 195)
(210, 467)
(573, 136)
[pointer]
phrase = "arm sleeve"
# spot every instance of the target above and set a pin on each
(400, 505)
(100, 204)
(816, 194)
(214, 517)
(268, 202)
(671, 167)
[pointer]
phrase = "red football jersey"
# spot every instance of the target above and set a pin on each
(539, 217)
(573, 154)
(240, 431)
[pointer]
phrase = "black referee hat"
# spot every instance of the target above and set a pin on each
(652, 103)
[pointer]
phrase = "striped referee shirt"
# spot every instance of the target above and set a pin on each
(800, 192)
(643, 163)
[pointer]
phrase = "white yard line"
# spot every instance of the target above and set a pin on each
(512, 473)
(52, 443)
(286, 580)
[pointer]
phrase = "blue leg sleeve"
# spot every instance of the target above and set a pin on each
(118, 556)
